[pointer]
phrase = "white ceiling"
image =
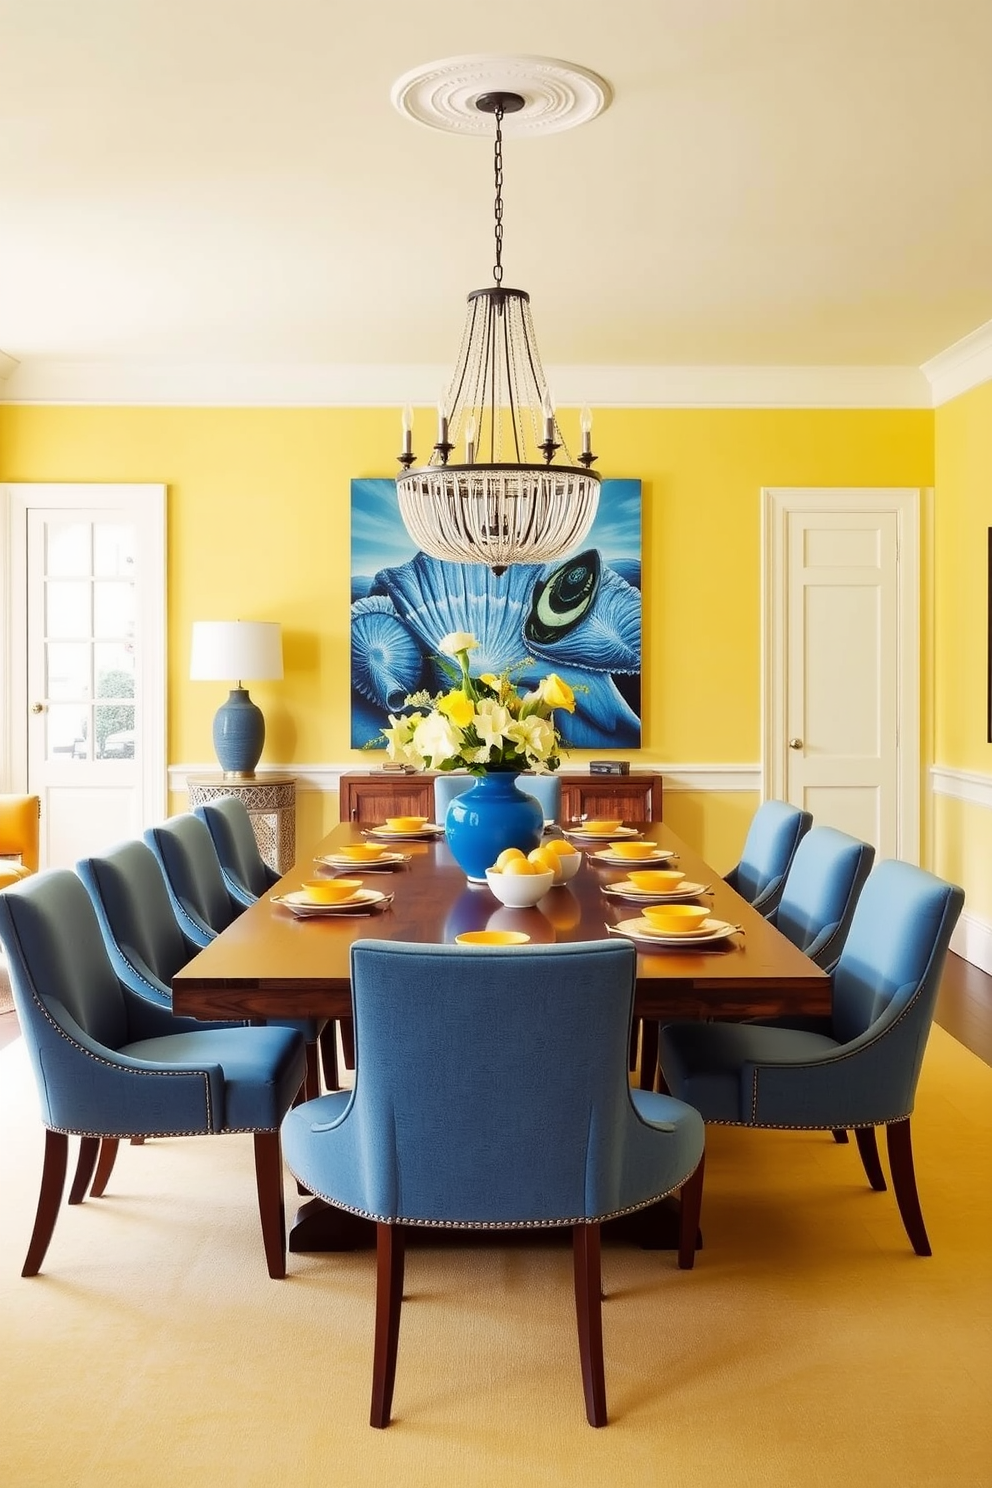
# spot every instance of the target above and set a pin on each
(777, 182)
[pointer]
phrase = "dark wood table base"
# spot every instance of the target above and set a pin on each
(319, 1226)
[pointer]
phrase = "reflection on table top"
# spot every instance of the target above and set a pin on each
(268, 963)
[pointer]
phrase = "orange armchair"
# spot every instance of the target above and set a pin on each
(19, 837)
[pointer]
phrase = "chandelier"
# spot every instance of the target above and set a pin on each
(507, 498)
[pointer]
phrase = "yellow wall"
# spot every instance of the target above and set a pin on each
(962, 846)
(258, 528)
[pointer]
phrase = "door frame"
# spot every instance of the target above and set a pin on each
(144, 504)
(777, 503)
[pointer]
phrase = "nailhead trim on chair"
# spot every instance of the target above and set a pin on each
(486, 1224)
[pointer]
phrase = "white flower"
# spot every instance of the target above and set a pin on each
(533, 736)
(437, 740)
(492, 722)
(399, 737)
(458, 640)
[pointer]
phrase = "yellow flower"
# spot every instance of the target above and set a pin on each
(457, 707)
(557, 694)
(490, 679)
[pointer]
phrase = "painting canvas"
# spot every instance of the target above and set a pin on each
(579, 616)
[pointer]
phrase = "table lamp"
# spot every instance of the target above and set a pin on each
(247, 650)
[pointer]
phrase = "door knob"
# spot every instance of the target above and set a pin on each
(795, 743)
(37, 707)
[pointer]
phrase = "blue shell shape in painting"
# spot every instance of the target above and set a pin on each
(386, 662)
(579, 618)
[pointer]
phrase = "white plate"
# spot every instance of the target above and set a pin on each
(421, 834)
(626, 890)
(600, 836)
(660, 855)
(383, 864)
(363, 902)
(708, 932)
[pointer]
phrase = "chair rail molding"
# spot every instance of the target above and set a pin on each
(327, 777)
(962, 785)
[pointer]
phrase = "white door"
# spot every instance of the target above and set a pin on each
(87, 702)
(842, 660)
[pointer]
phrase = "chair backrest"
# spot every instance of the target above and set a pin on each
(775, 832)
(200, 898)
(821, 891)
(888, 975)
(19, 828)
(134, 910)
(538, 1136)
(229, 824)
(62, 980)
(546, 790)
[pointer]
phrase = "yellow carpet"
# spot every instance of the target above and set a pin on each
(808, 1347)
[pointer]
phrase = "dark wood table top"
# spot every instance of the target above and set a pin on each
(269, 964)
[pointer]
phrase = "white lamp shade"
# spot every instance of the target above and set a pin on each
(236, 651)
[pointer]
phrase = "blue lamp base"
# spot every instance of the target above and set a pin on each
(239, 733)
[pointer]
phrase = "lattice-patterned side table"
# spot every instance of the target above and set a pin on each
(271, 803)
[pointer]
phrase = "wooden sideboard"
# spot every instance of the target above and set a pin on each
(370, 796)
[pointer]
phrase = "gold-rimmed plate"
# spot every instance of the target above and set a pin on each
(683, 891)
(364, 901)
(660, 855)
(709, 932)
(585, 836)
(385, 863)
(422, 834)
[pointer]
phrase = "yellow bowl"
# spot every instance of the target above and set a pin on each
(634, 850)
(675, 916)
(491, 938)
(331, 890)
(601, 828)
(362, 852)
(655, 880)
(405, 823)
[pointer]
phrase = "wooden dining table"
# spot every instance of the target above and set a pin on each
(270, 964)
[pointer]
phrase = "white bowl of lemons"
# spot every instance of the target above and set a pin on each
(519, 879)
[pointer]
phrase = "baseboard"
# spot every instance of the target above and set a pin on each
(972, 939)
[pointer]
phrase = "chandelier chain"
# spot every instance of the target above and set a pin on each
(498, 205)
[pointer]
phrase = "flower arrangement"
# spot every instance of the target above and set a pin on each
(481, 724)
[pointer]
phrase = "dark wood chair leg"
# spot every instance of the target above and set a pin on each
(649, 1053)
(52, 1183)
(104, 1166)
(89, 1148)
(329, 1055)
(900, 1145)
(690, 1204)
(311, 1080)
(868, 1148)
(587, 1270)
(137, 1141)
(390, 1250)
(635, 1028)
(840, 1135)
(268, 1182)
(347, 1027)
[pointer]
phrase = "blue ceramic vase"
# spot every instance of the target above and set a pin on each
(494, 814)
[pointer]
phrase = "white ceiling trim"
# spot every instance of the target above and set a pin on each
(7, 365)
(964, 365)
(295, 386)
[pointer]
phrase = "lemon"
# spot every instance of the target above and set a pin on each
(519, 866)
(543, 861)
(559, 847)
(507, 856)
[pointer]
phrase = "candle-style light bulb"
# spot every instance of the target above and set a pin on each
(470, 442)
(408, 430)
(585, 424)
(442, 420)
(549, 417)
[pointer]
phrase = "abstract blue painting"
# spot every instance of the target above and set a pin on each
(579, 616)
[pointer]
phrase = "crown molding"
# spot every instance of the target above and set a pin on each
(960, 367)
(275, 385)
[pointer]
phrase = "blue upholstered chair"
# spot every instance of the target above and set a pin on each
(110, 1064)
(821, 891)
(444, 1129)
(859, 1066)
(774, 834)
(546, 789)
(246, 873)
(204, 906)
